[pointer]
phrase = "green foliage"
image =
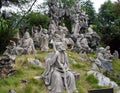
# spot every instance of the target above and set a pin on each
(6, 34)
(37, 19)
(91, 79)
(109, 21)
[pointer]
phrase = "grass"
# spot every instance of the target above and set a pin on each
(27, 71)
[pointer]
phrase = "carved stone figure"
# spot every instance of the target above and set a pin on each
(76, 25)
(93, 38)
(107, 53)
(102, 62)
(44, 40)
(54, 10)
(52, 28)
(116, 54)
(26, 45)
(57, 75)
(36, 37)
(10, 48)
(82, 44)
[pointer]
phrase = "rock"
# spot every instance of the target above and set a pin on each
(37, 77)
(102, 80)
(35, 62)
(6, 67)
(12, 91)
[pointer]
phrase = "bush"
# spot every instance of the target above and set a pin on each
(6, 34)
(37, 19)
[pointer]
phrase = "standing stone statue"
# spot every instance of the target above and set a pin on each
(35, 35)
(44, 40)
(75, 25)
(116, 54)
(57, 75)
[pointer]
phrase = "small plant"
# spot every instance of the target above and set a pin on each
(91, 79)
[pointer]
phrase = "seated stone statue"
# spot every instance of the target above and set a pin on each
(107, 53)
(57, 75)
(92, 37)
(82, 44)
(26, 45)
(10, 49)
(101, 61)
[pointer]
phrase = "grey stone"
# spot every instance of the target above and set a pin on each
(12, 91)
(102, 80)
(35, 62)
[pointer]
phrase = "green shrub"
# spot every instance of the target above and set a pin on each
(6, 34)
(91, 79)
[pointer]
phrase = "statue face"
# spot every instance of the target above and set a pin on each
(61, 47)
(27, 35)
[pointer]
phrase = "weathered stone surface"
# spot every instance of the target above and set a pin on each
(102, 80)
(35, 62)
(6, 65)
(11, 91)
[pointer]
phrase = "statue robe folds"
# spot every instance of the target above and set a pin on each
(57, 75)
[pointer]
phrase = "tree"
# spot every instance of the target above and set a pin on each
(106, 19)
(36, 18)
(109, 24)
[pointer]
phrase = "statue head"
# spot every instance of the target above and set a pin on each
(45, 31)
(101, 50)
(27, 35)
(60, 46)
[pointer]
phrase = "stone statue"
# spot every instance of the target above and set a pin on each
(44, 40)
(82, 44)
(26, 45)
(101, 61)
(54, 11)
(57, 75)
(76, 25)
(36, 36)
(116, 54)
(10, 48)
(92, 37)
(52, 28)
(107, 53)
